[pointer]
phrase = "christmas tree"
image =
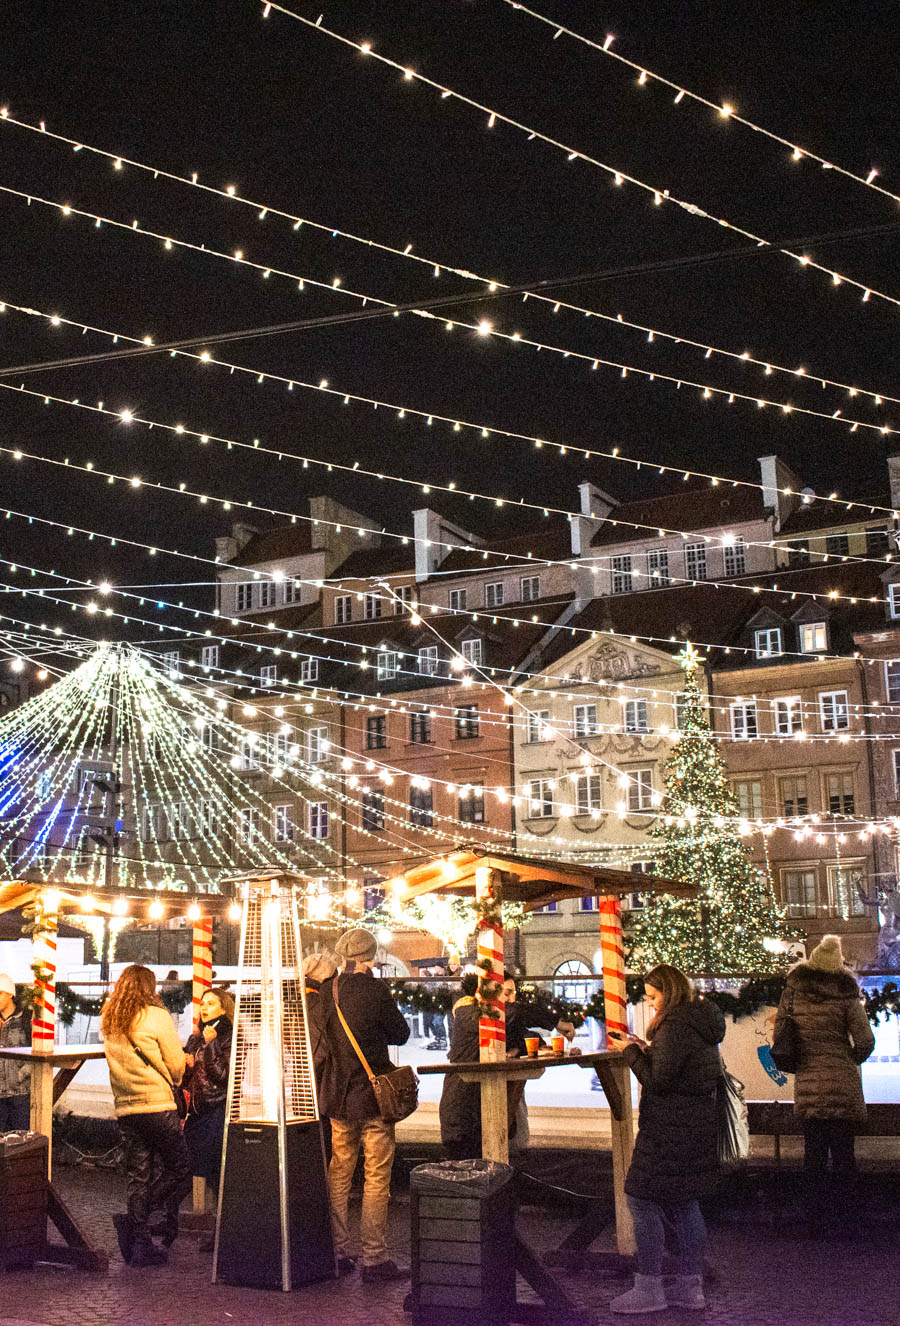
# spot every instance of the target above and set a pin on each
(722, 928)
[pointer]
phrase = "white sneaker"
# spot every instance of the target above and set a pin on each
(647, 1295)
(686, 1291)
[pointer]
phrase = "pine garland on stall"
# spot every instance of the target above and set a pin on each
(721, 930)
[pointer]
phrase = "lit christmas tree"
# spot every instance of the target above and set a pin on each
(723, 928)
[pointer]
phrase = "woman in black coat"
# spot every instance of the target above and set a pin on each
(675, 1160)
(208, 1053)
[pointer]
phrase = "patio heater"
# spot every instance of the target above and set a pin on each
(273, 1224)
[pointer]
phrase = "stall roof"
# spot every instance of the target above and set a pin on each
(529, 880)
(21, 893)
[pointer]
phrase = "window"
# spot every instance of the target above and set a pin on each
(834, 711)
(621, 575)
(547, 910)
(403, 602)
(372, 809)
(839, 793)
(897, 773)
(268, 674)
(470, 805)
(837, 545)
(658, 567)
(343, 609)
(844, 885)
(244, 596)
(695, 560)
(420, 729)
(743, 721)
(373, 894)
(531, 588)
(536, 725)
(736, 558)
(292, 590)
(317, 738)
(585, 720)
(208, 820)
(540, 799)
(473, 650)
(748, 793)
(635, 716)
(635, 901)
(466, 722)
(799, 892)
(209, 656)
(170, 662)
(813, 637)
(276, 744)
(681, 709)
(248, 755)
(589, 903)
(248, 824)
(458, 600)
(373, 606)
(793, 795)
(387, 664)
(588, 793)
(892, 682)
(376, 732)
(877, 542)
(640, 789)
(318, 820)
(894, 600)
(428, 660)
(493, 594)
(309, 669)
(266, 593)
(283, 823)
(798, 554)
(767, 643)
(788, 716)
(421, 807)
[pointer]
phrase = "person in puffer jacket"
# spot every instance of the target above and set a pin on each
(208, 1059)
(675, 1160)
(835, 1037)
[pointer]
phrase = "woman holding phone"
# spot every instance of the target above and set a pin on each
(675, 1160)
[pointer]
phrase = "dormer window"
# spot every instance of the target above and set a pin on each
(387, 664)
(814, 636)
(768, 642)
(894, 600)
(473, 650)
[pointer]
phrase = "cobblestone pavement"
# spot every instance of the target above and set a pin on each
(761, 1279)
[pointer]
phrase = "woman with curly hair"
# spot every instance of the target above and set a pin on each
(146, 1064)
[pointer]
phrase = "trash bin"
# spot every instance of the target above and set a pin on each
(463, 1253)
(23, 1199)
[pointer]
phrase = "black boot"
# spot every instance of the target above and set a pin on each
(124, 1236)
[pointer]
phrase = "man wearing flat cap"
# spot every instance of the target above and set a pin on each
(347, 1098)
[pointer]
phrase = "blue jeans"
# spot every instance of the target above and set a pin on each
(650, 1235)
(15, 1113)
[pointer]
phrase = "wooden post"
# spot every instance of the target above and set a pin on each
(202, 981)
(615, 1007)
(43, 1024)
(492, 1023)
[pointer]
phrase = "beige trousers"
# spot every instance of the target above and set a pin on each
(377, 1140)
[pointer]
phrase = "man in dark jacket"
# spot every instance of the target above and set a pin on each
(14, 1074)
(347, 1098)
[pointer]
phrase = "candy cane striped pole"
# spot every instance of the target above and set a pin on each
(492, 1025)
(43, 1025)
(613, 956)
(202, 953)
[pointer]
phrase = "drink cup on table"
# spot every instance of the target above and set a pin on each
(531, 1046)
(559, 1045)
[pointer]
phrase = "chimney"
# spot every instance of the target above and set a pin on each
(775, 477)
(431, 535)
(893, 464)
(595, 506)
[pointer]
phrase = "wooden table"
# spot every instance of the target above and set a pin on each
(610, 1068)
(51, 1073)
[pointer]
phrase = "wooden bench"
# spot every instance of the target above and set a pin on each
(776, 1118)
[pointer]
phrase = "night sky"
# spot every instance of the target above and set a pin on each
(295, 120)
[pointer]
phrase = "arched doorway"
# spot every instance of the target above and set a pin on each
(566, 983)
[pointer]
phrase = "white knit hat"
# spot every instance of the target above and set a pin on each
(7, 984)
(827, 955)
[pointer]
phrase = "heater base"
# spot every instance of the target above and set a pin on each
(249, 1222)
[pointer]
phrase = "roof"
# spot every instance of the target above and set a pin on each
(391, 559)
(831, 515)
(551, 544)
(690, 508)
(274, 544)
(530, 880)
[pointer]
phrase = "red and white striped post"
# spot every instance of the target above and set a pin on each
(492, 1021)
(616, 1009)
(43, 1023)
(202, 957)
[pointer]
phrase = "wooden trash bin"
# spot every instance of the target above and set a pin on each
(23, 1200)
(463, 1244)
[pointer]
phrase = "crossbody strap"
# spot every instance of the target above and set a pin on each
(150, 1064)
(350, 1037)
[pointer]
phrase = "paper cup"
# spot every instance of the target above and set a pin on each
(559, 1044)
(531, 1046)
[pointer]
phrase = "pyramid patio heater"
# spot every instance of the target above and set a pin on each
(273, 1226)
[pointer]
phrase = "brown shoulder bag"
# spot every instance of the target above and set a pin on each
(396, 1092)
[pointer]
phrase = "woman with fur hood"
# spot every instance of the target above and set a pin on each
(835, 1037)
